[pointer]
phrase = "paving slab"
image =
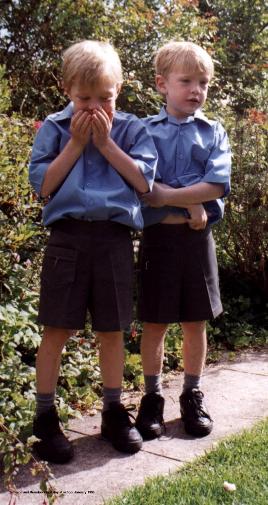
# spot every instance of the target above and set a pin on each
(236, 396)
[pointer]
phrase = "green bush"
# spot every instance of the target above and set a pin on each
(242, 236)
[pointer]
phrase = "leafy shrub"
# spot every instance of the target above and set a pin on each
(136, 28)
(242, 236)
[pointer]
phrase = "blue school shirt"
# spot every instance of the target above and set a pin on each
(93, 190)
(191, 150)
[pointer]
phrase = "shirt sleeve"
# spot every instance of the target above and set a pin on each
(218, 166)
(142, 149)
(45, 150)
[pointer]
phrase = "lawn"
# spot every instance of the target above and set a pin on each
(241, 460)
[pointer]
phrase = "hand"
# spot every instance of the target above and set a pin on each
(198, 219)
(80, 128)
(101, 127)
(156, 198)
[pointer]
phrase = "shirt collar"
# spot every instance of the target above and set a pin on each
(65, 113)
(171, 119)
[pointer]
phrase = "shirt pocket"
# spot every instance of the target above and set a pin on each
(200, 154)
(199, 157)
(59, 266)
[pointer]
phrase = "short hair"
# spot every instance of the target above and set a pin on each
(90, 61)
(185, 56)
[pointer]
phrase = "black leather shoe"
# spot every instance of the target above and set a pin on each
(119, 430)
(194, 414)
(150, 420)
(53, 445)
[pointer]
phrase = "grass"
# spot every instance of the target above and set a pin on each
(241, 459)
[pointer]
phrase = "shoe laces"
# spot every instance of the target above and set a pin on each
(152, 407)
(121, 414)
(195, 401)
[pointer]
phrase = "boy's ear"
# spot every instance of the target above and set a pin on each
(160, 82)
(66, 92)
(118, 88)
(64, 88)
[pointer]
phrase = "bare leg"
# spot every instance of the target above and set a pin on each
(49, 358)
(152, 347)
(194, 347)
(111, 358)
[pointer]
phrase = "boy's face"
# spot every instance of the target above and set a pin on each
(89, 97)
(184, 92)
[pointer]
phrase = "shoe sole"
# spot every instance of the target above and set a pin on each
(200, 432)
(130, 449)
(149, 434)
(41, 452)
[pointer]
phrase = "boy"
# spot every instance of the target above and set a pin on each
(179, 277)
(88, 160)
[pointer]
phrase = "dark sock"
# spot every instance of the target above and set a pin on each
(44, 401)
(153, 384)
(110, 395)
(191, 382)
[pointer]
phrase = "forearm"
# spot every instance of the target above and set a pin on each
(60, 167)
(198, 193)
(124, 165)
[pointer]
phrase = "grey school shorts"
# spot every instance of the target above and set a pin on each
(178, 275)
(87, 266)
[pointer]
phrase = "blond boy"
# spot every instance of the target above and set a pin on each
(89, 161)
(179, 275)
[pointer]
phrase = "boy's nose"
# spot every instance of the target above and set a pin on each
(195, 87)
(195, 90)
(93, 104)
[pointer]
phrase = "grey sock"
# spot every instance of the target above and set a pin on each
(110, 395)
(191, 381)
(153, 383)
(44, 401)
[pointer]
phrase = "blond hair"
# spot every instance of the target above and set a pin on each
(90, 61)
(184, 56)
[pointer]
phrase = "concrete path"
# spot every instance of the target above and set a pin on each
(236, 395)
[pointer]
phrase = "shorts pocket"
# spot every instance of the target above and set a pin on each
(59, 266)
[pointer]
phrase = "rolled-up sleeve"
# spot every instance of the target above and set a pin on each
(45, 150)
(143, 151)
(218, 166)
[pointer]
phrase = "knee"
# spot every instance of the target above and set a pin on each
(154, 331)
(109, 337)
(57, 336)
(196, 329)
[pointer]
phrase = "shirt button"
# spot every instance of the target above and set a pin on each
(181, 133)
(180, 156)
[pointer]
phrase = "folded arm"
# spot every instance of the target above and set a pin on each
(183, 197)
